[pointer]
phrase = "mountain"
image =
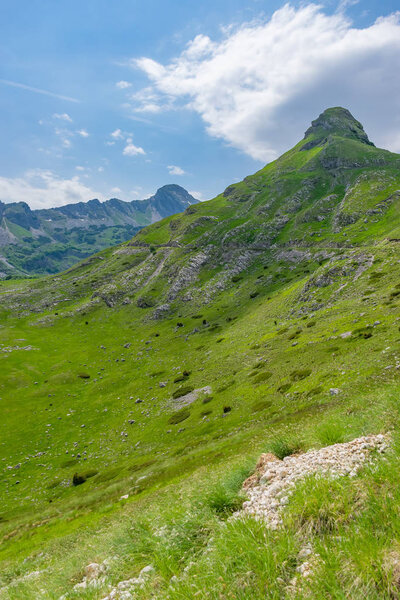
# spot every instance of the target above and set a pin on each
(139, 387)
(50, 240)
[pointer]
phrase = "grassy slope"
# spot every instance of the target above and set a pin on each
(271, 358)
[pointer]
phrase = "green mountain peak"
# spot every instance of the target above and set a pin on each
(336, 121)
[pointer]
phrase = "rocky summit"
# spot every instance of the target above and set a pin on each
(140, 387)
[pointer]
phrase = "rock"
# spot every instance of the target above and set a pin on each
(162, 384)
(93, 570)
(270, 487)
(334, 391)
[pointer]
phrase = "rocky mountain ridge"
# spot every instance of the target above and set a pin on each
(48, 240)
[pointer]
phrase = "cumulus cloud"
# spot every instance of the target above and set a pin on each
(62, 117)
(132, 150)
(175, 170)
(83, 133)
(258, 87)
(123, 85)
(117, 134)
(45, 189)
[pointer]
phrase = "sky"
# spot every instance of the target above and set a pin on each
(102, 98)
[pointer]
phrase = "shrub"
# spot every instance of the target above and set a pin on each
(283, 330)
(300, 374)
(225, 497)
(315, 391)
(54, 484)
(330, 432)
(179, 416)
(205, 413)
(261, 377)
(236, 278)
(182, 391)
(311, 323)
(207, 399)
(225, 386)
(138, 467)
(84, 375)
(80, 478)
(157, 373)
(262, 405)
(108, 475)
(294, 334)
(254, 294)
(69, 463)
(227, 409)
(281, 447)
(284, 387)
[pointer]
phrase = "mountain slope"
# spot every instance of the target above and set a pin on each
(266, 318)
(50, 240)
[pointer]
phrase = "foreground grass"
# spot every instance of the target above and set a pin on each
(184, 531)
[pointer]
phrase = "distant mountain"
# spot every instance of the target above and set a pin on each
(50, 240)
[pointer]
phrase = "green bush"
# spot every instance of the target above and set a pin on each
(314, 391)
(207, 399)
(225, 497)
(179, 416)
(80, 478)
(261, 377)
(284, 387)
(139, 466)
(281, 447)
(330, 432)
(262, 405)
(300, 374)
(225, 386)
(108, 475)
(182, 391)
(69, 463)
(205, 413)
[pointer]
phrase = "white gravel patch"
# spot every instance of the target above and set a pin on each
(270, 495)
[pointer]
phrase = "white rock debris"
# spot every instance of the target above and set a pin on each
(268, 496)
(125, 590)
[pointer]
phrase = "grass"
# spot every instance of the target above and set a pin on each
(270, 362)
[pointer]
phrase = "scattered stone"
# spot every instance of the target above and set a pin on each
(125, 590)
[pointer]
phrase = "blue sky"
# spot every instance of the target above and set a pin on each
(101, 98)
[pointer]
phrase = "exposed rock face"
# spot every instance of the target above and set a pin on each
(337, 121)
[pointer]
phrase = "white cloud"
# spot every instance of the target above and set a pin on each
(132, 150)
(175, 170)
(62, 117)
(83, 133)
(44, 189)
(80, 168)
(123, 85)
(116, 190)
(197, 195)
(259, 87)
(117, 134)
